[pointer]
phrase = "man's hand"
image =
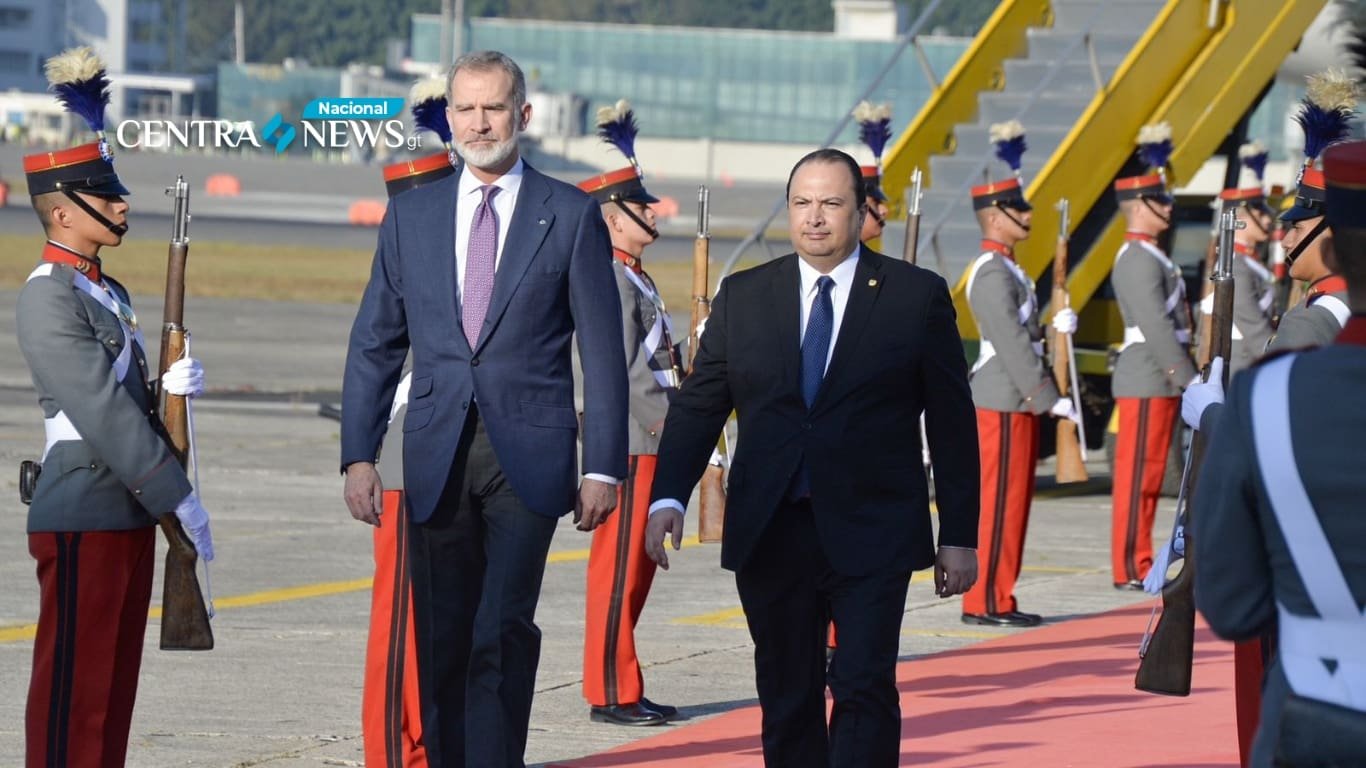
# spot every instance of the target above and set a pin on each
(955, 571)
(1064, 408)
(184, 377)
(664, 522)
(195, 520)
(1065, 321)
(1202, 394)
(364, 492)
(596, 501)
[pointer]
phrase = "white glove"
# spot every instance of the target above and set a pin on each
(1064, 409)
(1065, 321)
(1202, 394)
(185, 377)
(195, 519)
(1207, 304)
(1173, 551)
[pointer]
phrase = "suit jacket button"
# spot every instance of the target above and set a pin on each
(806, 425)
(475, 362)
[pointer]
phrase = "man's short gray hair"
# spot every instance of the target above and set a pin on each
(484, 61)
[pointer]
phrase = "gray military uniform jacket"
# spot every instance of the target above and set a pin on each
(1154, 361)
(1253, 295)
(650, 356)
(390, 462)
(1246, 568)
(1010, 374)
(1314, 322)
(118, 473)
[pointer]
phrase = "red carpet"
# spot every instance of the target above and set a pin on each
(1060, 695)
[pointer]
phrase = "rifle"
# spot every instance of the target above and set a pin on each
(1203, 333)
(1167, 652)
(912, 243)
(711, 502)
(1071, 443)
(184, 617)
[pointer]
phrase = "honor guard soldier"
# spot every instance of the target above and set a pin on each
(1154, 362)
(619, 573)
(1321, 315)
(1254, 291)
(1277, 514)
(874, 131)
(1011, 387)
(109, 468)
(391, 713)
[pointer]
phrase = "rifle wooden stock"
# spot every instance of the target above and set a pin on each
(184, 617)
(711, 501)
(1070, 467)
(1166, 659)
(1203, 333)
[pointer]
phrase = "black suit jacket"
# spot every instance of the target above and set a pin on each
(898, 354)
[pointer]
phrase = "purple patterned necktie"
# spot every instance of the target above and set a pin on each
(480, 255)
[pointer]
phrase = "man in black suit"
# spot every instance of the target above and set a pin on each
(828, 356)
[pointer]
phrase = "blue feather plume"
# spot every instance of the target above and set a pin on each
(81, 83)
(1156, 154)
(1011, 151)
(874, 126)
(617, 126)
(1253, 157)
(432, 116)
(1322, 127)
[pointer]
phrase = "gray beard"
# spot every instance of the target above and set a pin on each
(488, 158)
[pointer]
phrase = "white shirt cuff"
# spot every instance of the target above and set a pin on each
(601, 478)
(668, 504)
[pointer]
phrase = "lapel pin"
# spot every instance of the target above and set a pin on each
(541, 221)
(872, 282)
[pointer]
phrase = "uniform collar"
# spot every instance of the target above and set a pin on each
(60, 254)
(632, 262)
(1243, 249)
(1142, 237)
(1327, 284)
(996, 246)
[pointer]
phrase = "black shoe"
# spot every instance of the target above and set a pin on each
(1133, 585)
(669, 713)
(626, 714)
(1011, 619)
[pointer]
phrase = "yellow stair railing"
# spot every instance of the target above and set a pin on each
(954, 101)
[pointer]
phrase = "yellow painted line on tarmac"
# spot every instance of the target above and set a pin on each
(18, 633)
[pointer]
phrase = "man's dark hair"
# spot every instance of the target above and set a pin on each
(836, 157)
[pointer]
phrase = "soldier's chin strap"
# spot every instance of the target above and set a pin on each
(118, 229)
(872, 211)
(1006, 212)
(1148, 202)
(649, 230)
(1309, 238)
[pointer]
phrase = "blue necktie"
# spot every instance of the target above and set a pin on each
(820, 324)
(816, 341)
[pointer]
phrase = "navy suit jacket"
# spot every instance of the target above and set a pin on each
(554, 279)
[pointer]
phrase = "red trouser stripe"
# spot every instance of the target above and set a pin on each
(94, 589)
(1009, 450)
(1146, 426)
(391, 715)
(619, 579)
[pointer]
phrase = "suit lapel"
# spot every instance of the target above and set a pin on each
(785, 300)
(531, 220)
(442, 203)
(862, 294)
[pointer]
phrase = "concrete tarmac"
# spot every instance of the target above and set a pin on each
(283, 686)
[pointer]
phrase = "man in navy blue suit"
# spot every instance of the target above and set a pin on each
(486, 275)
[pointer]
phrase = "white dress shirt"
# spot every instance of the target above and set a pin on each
(843, 275)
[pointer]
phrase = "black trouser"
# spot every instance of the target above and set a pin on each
(476, 567)
(789, 591)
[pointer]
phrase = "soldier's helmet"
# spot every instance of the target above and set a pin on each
(1325, 115)
(1154, 150)
(427, 103)
(617, 126)
(1008, 140)
(81, 83)
(874, 121)
(1249, 193)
